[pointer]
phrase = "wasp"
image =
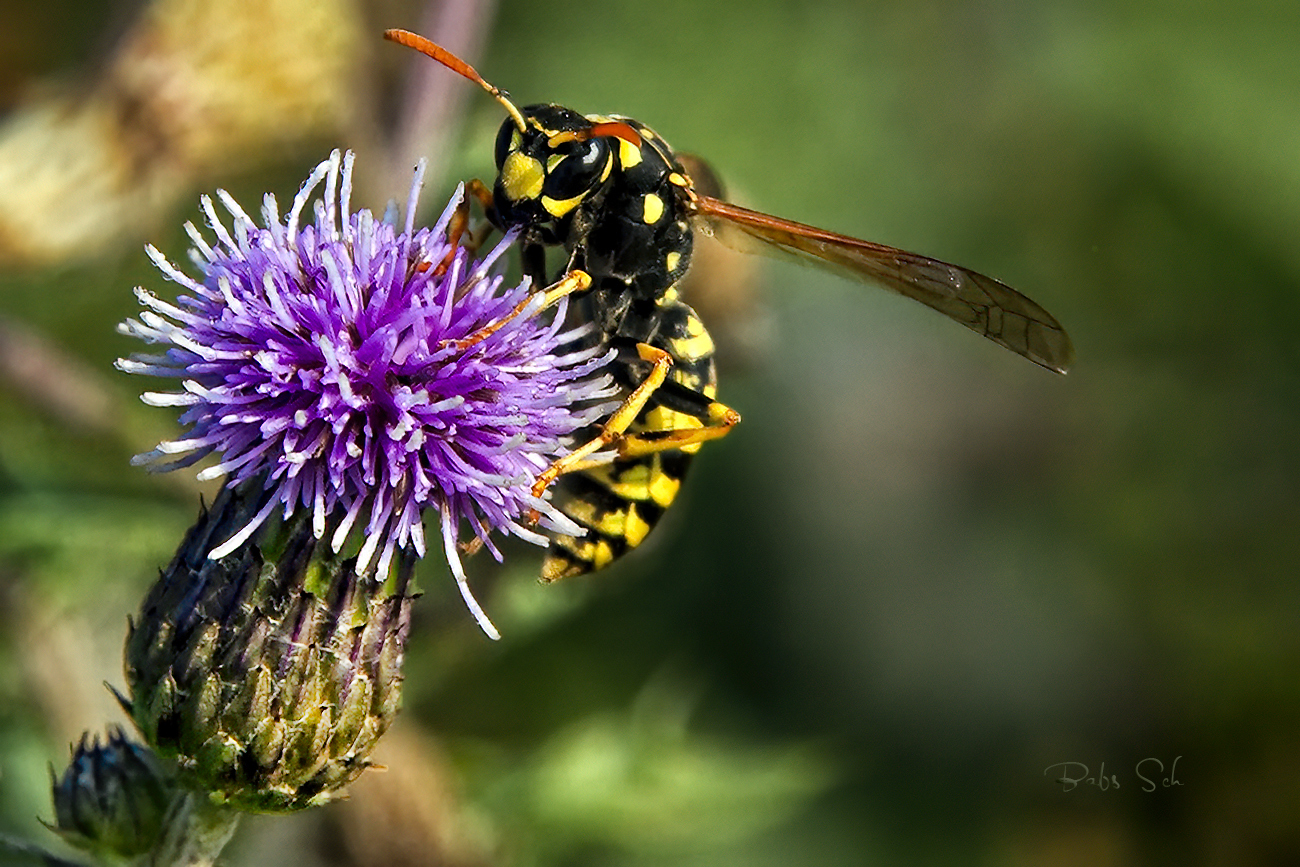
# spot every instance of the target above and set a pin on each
(614, 197)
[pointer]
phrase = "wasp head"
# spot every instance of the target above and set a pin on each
(556, 162)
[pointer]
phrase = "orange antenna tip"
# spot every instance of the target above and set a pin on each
(432, 49)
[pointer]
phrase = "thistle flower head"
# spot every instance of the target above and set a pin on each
(330, 359)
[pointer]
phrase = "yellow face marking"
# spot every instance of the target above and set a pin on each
(522, 177)
(653, 209)
(672, 260)
(559, 207)
(628, 154)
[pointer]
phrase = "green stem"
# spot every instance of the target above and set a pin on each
(194, 832)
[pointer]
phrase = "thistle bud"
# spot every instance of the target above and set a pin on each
(268, 673)
(112, 798)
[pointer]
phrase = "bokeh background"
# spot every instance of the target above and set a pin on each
(922, 570)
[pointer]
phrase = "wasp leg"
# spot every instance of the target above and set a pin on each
(716, 421)
(479, 190)
(618, 423)
(458, 227)
(574, 281)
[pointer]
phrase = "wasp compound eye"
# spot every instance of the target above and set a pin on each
(575, 168)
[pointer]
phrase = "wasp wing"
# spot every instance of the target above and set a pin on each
(980, 303)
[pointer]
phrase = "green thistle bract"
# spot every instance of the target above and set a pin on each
(270, 673)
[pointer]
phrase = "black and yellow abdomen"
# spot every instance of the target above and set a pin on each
(619, 503)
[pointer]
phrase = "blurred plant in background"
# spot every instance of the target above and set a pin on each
(917, 577)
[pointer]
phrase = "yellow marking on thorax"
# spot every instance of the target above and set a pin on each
(653, 209)
(672, 260)
(628, 154)
(696, 346)
(522, 177)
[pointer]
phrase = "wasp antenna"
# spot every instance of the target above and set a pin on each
(455, 64)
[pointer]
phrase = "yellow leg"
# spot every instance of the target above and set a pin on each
(574, 281)
(479, 190)
(618, 423)
(721, 419)
(458, 227)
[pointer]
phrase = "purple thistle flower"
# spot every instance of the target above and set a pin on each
(324, 359)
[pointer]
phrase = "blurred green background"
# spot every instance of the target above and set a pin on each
(922, 570)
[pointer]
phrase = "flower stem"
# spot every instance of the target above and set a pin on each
(194, 832)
